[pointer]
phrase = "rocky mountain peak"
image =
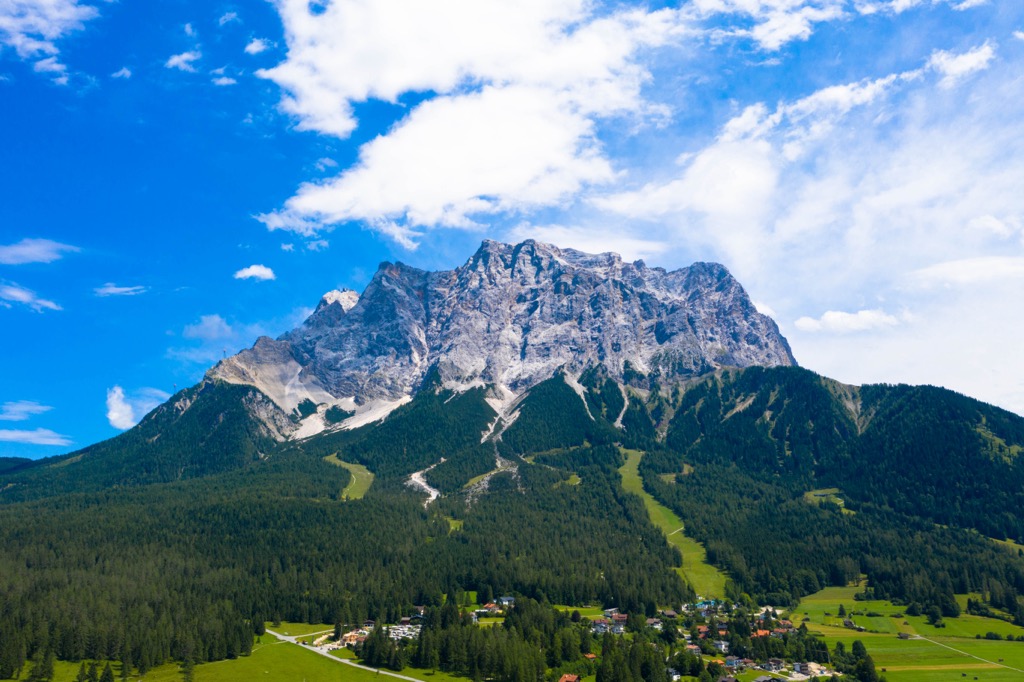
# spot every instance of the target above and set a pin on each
(510, 317)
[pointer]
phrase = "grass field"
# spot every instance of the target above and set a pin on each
(585, 611)
(362, 478)
(300, 629)
(707, 580)
(931, 655)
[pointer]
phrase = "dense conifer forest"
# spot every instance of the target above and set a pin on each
(176, 542)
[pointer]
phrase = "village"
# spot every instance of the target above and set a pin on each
(727, 640)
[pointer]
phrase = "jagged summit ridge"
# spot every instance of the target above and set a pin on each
(510, 317)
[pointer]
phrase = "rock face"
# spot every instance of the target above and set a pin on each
(509, 318)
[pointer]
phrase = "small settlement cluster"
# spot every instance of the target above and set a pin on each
(725, 639)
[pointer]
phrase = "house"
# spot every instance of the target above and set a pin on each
(608, 613)
(721, 645)
(702, 631)
(618, 629)
(654, 623)
(693, 649)
(590, 657)
(669, 613)
(760, 633)
(569, 678)
(620, 617)
(765, 678)
(904, 635)
(349, 638)
(727, 678)
(507, 602)
(774, 665)
(674, 675)
(732, 662)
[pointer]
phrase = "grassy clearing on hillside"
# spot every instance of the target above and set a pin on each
(827, 495)
(707, 580)
(299, 629)
(585, 611)
(362, 478)
(931, 655)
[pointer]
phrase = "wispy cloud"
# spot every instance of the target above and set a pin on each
(14, 293)
(34, 251)
(34, 437)
(124, 411)
(124, 72)
(260, 272)
(222, 81)
(227, 18)
(956, 66)
(32, 30)
(21, 410)
(838, 322)
(184, 61)
(212, 337)
(111, 289)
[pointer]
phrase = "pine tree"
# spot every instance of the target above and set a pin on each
(108, 674)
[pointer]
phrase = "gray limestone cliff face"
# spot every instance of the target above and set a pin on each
(510, 317)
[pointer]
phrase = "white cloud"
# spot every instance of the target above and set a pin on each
(288, 247)
(124, 72)
(260, 272)
(15, 293)
(213, 337)
(34, 251)
(317, 245)
(34, 437)
(1019, 35)
(125, 411)
(256, 46)
(589, 240)
(956, 66)
(519, 91)
(227, 18)
(21, 410)
(776, 22)
(32, 30)
(183, 61)
(209, 328)
(224, 81)
(969, 271)
(837, 322)
(190, 31)
(111, 289)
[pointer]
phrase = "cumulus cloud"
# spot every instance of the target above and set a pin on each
(260, 272)
(256, 46)
(34, 437)
(21, 410)
(111, 289)
(838, 322)
(124, 411)
(13, 293)
(34, 251)
(512, 126)
(183, 61)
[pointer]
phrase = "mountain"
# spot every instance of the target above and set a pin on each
(491, 409)
(507, 319)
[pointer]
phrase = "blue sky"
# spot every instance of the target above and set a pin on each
(180, 177)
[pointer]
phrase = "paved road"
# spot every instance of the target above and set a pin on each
(323, 652)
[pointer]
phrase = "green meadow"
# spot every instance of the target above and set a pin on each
(707, 580)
